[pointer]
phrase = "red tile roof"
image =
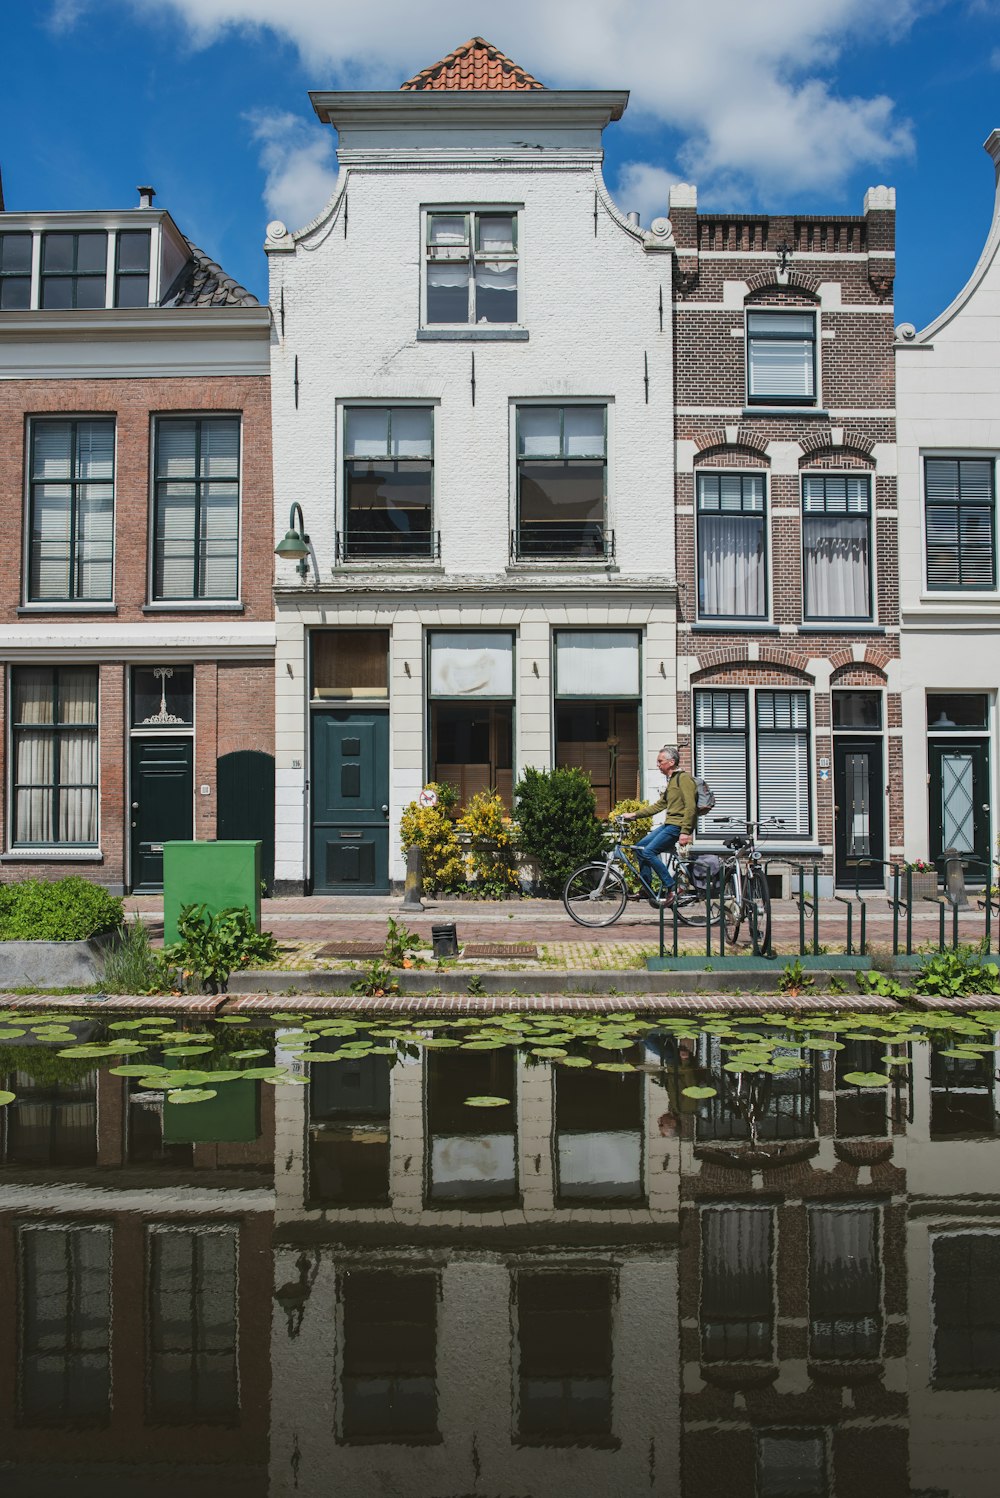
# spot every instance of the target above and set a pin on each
(474, 65)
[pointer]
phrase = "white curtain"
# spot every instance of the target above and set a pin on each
(836, 567)
(731, 565)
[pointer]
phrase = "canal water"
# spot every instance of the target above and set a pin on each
(545, 1256)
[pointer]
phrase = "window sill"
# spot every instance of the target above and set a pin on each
(396, 564)
(561, 564)
(49, 854)
(841, 627)
(194, 606)
(70, 606)
(733, 626)
(790, 410)
(473, 333)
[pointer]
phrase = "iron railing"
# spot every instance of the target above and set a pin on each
(562, 541)
(387, 546)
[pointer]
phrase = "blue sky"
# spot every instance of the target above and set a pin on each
(773, 105)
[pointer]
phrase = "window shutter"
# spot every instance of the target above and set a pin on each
(175, 444)
(95, 540)
(174, 561)
(783, 762)
(220, 449)
(960, 522)
(219, 541)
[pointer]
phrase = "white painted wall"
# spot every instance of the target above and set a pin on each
(948, 396)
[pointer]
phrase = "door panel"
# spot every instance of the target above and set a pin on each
(959, 804)
(162, 811)
(244, 783)
(859, 811)
(350, 788)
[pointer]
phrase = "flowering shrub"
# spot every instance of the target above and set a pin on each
(490, 860)
(431, 829)
(921, 866)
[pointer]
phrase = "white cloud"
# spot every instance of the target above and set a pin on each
(752, 88)
(64, 14)
(299, 167)
(644, 186)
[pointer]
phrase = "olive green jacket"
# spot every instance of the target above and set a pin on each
(679, 801)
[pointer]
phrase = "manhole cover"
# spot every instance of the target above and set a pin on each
(500, 949)
(351, 949)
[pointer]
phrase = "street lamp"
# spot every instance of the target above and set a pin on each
(295, 546)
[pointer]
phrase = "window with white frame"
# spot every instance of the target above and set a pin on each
(54, 789)
(732, 546)
(196, 505)
(71, 511)
(960, 513)
(773, 780)
(74, 269)
(561, 482)
(781, 358)
(836, 546)
(471, 266)
(15, 272)
(388, 482)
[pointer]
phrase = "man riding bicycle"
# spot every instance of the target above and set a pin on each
(679, 801)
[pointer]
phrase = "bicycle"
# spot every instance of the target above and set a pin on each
(746, 896)
(596, 894)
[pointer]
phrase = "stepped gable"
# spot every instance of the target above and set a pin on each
(474, 65)
(205, 284)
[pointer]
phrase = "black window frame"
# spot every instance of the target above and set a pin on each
(56, 728)
(701, 481)
(127, 274)
(955, 1304)
(959, 508)
(806, 520)
(583, 539)
(420, 545)
(475, 254)
(810, 400)
(189, 1342)
(198, 543)
(10, 277)
(74, 274)
(75, 484)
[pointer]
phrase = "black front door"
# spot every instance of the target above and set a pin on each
(959, 799)
(162, 791)
(859, 811)
(350, 802)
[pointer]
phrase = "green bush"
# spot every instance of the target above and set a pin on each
(556, 815)
(211, 946)
(57, 910)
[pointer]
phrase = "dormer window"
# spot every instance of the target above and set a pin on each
(15, 272)
(471, 267)
(74, 270)
(79, 269)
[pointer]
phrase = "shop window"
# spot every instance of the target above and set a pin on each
(388, 1382)
(596, 731)
(791, 1464)
(54, 790)
(737, 1296)
(836, 547)
(472, 1152)
(565, 1352)
(471, 712)
(599, 1132)
(732, 546)
(948, 711)
(71, 511)
(350, 663)
(349, 1131)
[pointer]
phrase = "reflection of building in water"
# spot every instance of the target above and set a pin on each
(134, 1252)
(474, 1299)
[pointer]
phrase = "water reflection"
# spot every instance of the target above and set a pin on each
(599, 1285)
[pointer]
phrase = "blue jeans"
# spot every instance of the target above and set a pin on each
(660, 840)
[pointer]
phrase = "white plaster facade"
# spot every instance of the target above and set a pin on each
(948, 393)
(594, 296)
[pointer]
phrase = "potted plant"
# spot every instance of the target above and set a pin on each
(923, 879)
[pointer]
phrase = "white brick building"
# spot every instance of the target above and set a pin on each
(948, 390)
(472, 403)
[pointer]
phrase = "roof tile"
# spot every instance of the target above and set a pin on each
(475, 65)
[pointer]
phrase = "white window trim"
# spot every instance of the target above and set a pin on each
(737, 621)
(152, 603)
(775, 838)
(470, 328)
(871, 620)
(971, 597)
(69, 605)
(789, 404)
(608, 402)
(48, 852)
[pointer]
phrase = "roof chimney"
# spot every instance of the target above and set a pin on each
(146, 196)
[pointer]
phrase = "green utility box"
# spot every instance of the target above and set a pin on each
(231, 1117)
(221, 875)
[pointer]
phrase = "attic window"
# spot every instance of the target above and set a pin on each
(471, 267)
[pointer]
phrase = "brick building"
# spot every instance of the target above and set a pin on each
(788, 688)
(135, 479)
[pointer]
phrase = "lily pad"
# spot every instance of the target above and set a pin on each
(487, 1102)
(136, 1069)
(192, 1095)
(5, 1098)
(189, 1050)
(11, 1034)
(699, 1092)
(232, 1019)
(617, 1066)
(866, 1078)
(548, 1052)
(251, 1051)
(575, 1061)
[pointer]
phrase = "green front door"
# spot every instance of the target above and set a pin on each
(350, 802)
(959, 800)
(161, 808)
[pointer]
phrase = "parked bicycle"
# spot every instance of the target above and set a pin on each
(597, 893)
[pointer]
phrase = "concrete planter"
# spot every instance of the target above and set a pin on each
(53, 964)
(925, 885)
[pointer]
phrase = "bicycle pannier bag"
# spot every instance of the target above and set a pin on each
(705, 871)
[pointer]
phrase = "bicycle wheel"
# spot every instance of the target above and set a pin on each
(757, 902)
(595, 895)
(733, 902)
(692, 904)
